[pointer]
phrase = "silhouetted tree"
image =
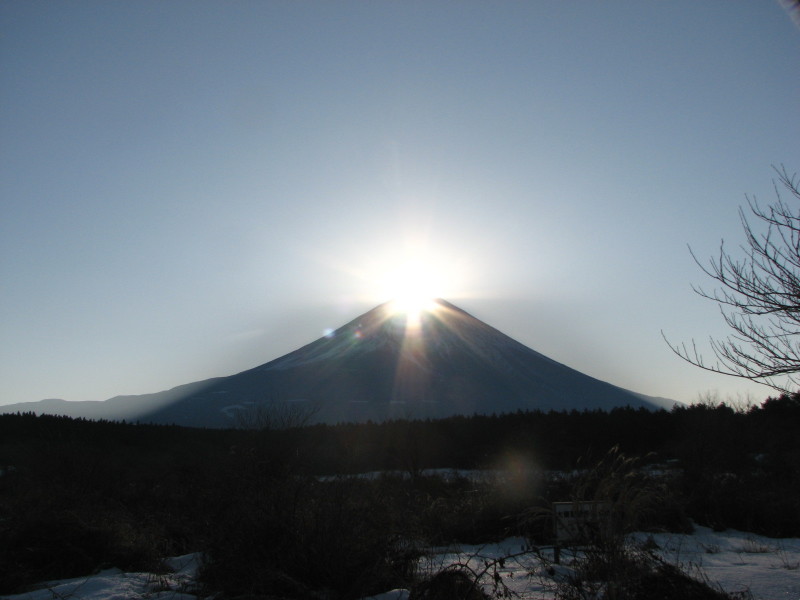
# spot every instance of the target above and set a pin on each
(759, 295)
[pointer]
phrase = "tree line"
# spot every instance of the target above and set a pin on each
(78, 495)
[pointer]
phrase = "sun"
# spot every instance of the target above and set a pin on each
(412, 277)
(413, 304)
(412, 288)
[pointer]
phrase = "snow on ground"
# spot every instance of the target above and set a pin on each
(520, 571)
(760, 567)
(113, 584)
(767, 568)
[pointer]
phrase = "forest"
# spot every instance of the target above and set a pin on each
(346, 508)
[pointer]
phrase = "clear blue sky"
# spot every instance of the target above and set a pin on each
(190, 189)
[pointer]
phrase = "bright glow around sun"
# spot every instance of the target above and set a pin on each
(408, 273)
(412, 286)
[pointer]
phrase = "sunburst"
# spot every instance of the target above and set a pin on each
(413, 288)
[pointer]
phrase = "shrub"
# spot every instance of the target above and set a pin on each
(456, 583)
(633, 574)
(302, 538)
(608, 566)
(57, 545)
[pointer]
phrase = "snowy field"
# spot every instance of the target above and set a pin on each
(755, 566)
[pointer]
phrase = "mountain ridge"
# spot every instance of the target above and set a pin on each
(382, 365)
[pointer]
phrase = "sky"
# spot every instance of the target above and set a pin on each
(189, 189)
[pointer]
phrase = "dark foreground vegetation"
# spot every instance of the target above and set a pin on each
(279, 514)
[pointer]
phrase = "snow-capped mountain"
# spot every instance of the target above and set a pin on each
(385, 364)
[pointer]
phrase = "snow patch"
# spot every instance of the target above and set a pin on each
(766, 568)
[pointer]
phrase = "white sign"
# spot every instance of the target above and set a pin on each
(576, 521)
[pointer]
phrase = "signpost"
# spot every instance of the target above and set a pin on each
(576, 522)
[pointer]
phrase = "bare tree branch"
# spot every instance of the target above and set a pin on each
(758, 295)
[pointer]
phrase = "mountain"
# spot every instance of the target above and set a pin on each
(385, 364)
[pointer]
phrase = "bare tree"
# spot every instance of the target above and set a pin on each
(759, 295)
(793, 8)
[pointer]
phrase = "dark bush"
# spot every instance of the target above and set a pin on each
(60, 545)
(299, 537)
(633, 575)
(455, 583)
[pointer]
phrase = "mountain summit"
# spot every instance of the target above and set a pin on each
(387, 364)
